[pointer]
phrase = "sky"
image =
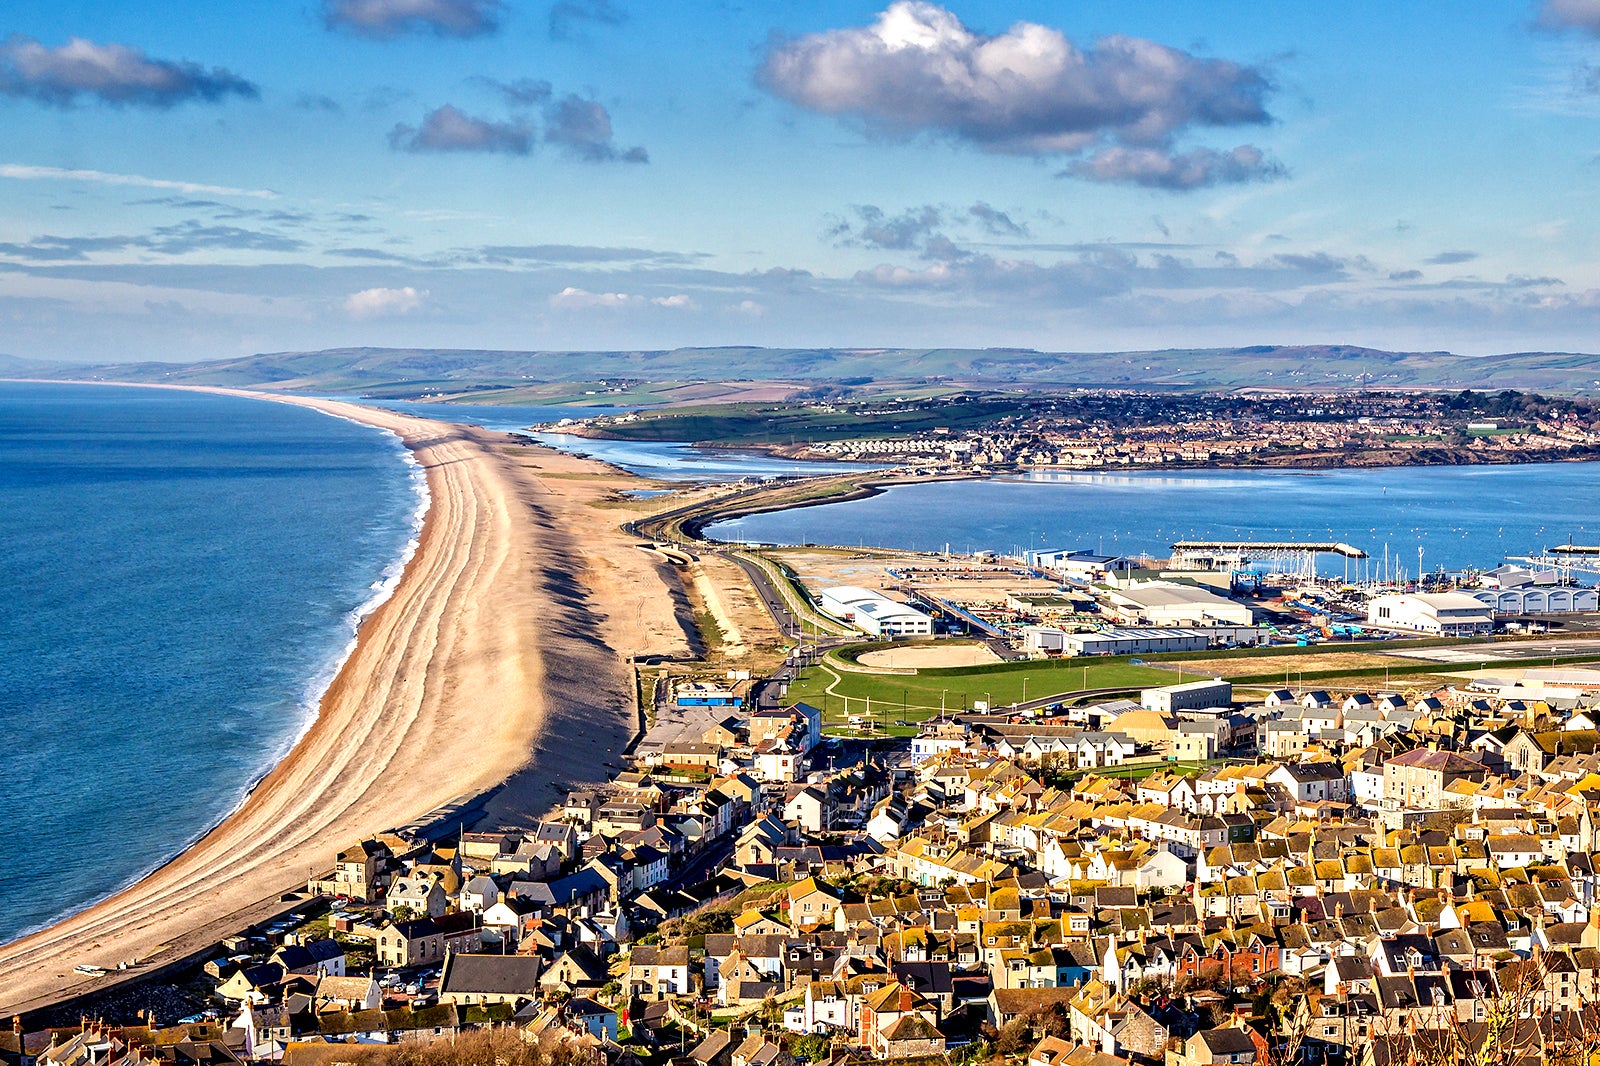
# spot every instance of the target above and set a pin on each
(221, 178)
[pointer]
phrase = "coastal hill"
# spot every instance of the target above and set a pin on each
(399, 372)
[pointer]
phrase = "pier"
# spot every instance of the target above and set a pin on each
(1291, 556)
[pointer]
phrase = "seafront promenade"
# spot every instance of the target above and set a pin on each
(502, 637)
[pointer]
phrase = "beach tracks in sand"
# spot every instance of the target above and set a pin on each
(499, 659)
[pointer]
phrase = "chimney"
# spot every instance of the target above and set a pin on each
(905, 1000)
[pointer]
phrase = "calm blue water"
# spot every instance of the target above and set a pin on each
(1459, 516)
(182, 575)
(676, 461)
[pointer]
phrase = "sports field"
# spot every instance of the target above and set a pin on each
(889, 699)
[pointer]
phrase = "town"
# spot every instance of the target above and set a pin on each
(1109, 428)
(1190, 858)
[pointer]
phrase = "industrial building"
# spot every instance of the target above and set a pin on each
(1447, 614)
(1138, 641)
(1539, 600)
(1195, 695)
(1162, 603)
(1078, 565)
(874, 613)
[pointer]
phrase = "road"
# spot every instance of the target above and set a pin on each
(701, 867)
(771, 597)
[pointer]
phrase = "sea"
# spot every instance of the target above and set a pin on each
(1460, 517)
(183, 574)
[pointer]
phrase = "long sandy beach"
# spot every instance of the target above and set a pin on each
(500, 658)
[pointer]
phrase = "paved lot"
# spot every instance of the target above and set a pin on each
(1472, 654)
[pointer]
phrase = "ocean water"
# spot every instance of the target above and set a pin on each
(1460, 517)
(182, 573)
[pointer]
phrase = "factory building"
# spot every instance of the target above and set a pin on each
(874, 613)
(1162, 603)
(1136, 641)
(1447, 614)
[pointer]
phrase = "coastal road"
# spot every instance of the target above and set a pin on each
(776, 606)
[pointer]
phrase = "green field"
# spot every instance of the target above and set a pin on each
(915, 697)
(748, 423)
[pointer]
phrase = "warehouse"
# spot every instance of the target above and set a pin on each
(1162, 603)
(874, 613)
(1540, 601)
(1449, 614)
(1134, 641)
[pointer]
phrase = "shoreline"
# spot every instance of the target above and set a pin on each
(1307, 461)
(387, 583)
(474, 676)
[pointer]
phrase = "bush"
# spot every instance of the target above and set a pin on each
(812, 1048)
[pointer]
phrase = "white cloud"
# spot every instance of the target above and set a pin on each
(391, 18)
(575, 299)
(1028, 91)
(1159, 169)
(449, 129)
(1571, 15)
(30, 173)
(111, 73)
(384, 303)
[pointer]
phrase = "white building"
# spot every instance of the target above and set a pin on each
(1540, 600)
(1163, 603)
(1043, 638)
(1448, 614)
(1195, 695)
(874, 613)
(1078, 565)
(1122, 640)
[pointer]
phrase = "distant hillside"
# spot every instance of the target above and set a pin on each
(412, 371)
(12, 366)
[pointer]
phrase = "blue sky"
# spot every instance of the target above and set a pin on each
(234, 178)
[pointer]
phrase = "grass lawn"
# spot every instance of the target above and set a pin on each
(1139, 773)
(915, 697)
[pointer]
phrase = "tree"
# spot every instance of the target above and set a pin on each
(1288, 1015)
(813, 1048)
(1514, 1023)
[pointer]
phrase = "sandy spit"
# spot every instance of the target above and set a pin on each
(500, 659)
